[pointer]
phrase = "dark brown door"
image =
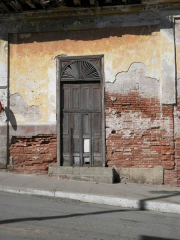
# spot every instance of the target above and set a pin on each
(81, 124)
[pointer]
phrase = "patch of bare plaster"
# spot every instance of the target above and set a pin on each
(3, 74)
(19, 106)
(168, 91)
(168, 34)
(132, 124)
(135, 79)
(3, 100)
(52, 94)
(168, 82)
(177, 32)
(113, 99)
(178, 87)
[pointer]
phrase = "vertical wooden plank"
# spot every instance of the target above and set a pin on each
(85, 97)
(96, 97)
(76, 125)
(65, 143)
(71, 139)
(65, 121)
(96, 123)
(76, 139)
(85, 125)
(96, 139)
(66, 96)
(75, 96)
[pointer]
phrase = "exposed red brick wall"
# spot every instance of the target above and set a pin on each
(140, 133)
(33, 154)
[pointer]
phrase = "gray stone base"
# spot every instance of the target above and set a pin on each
(92, 174)
(141, 175)
(3, 146)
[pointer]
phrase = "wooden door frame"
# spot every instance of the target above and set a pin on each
(59, 60)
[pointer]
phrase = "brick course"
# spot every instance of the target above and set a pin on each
(33, 154)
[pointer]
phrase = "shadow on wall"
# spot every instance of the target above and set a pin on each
(80, 35)
(11, 118)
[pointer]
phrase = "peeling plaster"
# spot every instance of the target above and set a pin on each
(177, 42)
(19, 106)
(178, 87)
(167, 67)
(3, 100)
(52, 94)
(177, 32)
(135, 79)
(113, 99)
(3, 74)
(167, 33)
(133, 123)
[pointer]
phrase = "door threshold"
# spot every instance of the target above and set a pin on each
(90, 174)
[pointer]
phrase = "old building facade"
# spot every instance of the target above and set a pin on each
(91, 88)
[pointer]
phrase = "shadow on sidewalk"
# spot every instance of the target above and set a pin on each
(168, 194)
(154, 238)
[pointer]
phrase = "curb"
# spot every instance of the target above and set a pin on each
(100, 199)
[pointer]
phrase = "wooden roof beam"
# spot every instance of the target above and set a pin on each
(15, 5)
(92, 2)
(77, 2)
(44, 3)
(3, 8)
(108, 2)
(31, 4)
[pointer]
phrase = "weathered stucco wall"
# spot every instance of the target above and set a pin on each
(139, 69)
(132, 63)
(33, 68)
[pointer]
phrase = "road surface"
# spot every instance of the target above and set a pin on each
(32, 217)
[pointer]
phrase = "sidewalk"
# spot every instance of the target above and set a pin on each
(131, 195)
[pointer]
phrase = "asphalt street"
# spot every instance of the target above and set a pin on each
(32, 217)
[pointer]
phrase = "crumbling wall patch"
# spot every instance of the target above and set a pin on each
(135, 79)
(19, 106)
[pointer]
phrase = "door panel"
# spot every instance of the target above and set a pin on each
(96, 98)
(66, 96)
(75, 128)
(86, 125)
(85, 97)
(81, 111)
(75, 94)
(96, 139)
(66, 139)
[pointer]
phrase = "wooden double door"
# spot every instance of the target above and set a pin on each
(81, 124)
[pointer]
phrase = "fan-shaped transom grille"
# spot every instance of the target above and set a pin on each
(80, 70)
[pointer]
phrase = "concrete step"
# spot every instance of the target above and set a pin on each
(91, 174)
